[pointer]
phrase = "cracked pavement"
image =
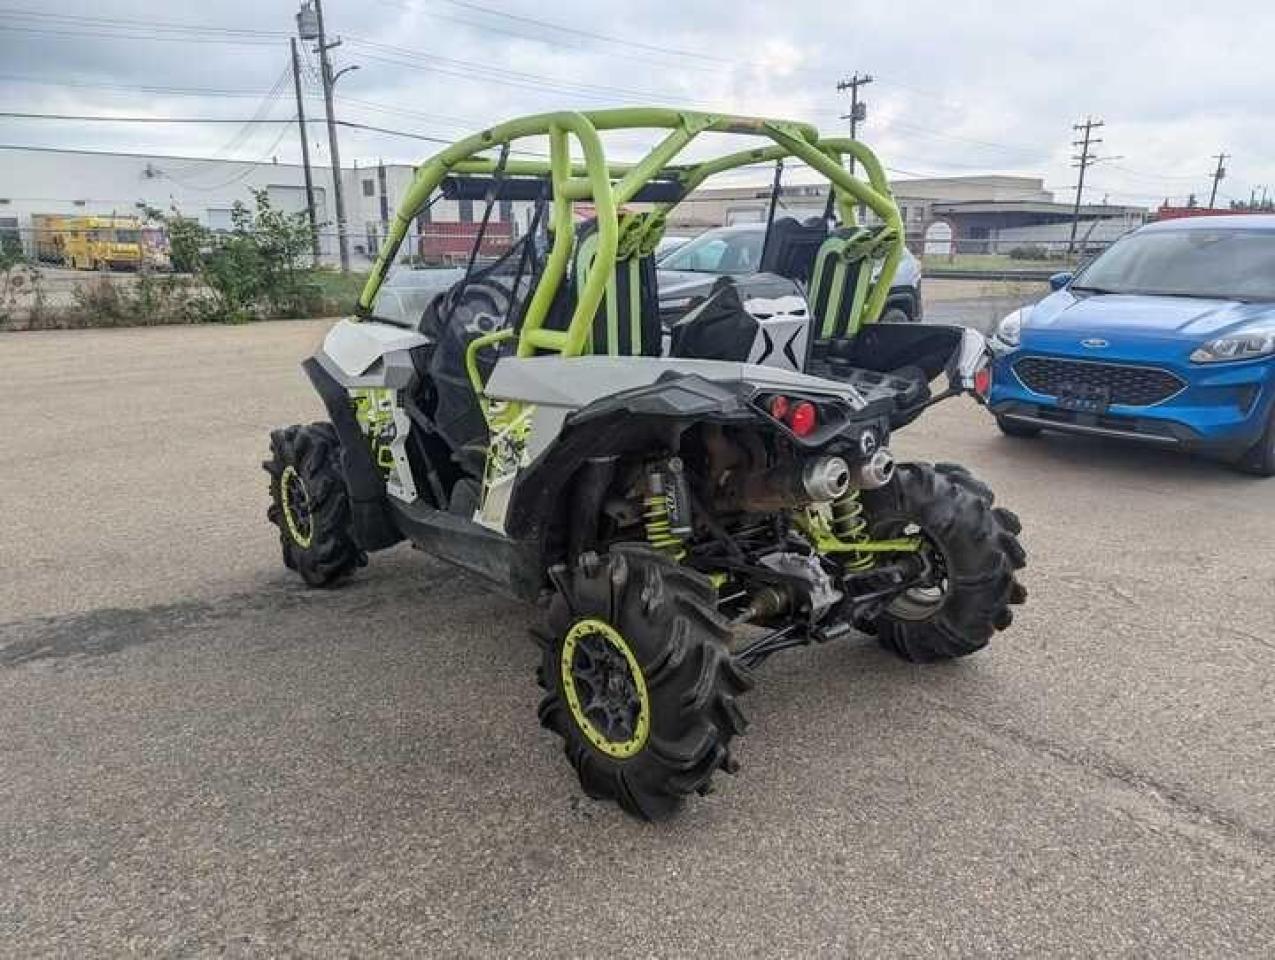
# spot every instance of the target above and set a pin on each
(200, 756)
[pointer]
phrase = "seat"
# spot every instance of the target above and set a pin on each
(792, 248)
(627, 322)
(839, 283)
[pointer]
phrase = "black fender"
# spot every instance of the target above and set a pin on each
(647, 418)
(374, 526)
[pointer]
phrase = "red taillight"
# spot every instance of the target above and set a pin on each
(779, 407)
(803, 418)
(983, 381)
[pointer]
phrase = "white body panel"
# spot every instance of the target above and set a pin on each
(783, 331)
(355, 345)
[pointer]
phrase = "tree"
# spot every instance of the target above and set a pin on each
(254, 269)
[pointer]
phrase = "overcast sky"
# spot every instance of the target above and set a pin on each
(960, 88)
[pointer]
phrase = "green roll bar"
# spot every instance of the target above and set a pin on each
(609, 186)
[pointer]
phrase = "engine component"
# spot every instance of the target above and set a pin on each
(818, 585)
(825, 478)
(765, 604)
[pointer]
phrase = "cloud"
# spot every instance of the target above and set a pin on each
(960, 88)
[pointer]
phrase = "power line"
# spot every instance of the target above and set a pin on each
(126, 29)
(90, 117)
(926, 132)
(576, 31)
(238, 41)
(475, 71)
(1140, 175)
(150, 25)
(558, 42)
(130, 88)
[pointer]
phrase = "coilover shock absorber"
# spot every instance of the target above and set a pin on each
(851, 526)
(666, 508)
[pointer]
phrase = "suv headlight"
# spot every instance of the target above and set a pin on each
(1010, 330)
(1238, 346)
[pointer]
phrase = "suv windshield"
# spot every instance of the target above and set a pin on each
(1222, 263)
(718, 251)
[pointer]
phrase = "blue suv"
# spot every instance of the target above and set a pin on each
(1167, 337)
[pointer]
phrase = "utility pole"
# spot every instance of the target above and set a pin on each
(1218, 174)
(858, 112)
(305, 151)
(1084, 161)
(312, 29)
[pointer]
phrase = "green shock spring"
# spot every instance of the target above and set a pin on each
(850, 526)
(656, 519)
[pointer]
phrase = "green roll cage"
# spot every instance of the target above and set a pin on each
(608, 186)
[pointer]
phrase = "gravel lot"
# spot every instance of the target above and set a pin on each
(199, 756)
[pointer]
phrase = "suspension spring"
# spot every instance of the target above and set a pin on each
(851, 526)
(657, 519)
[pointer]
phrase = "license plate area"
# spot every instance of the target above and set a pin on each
(1084, 398)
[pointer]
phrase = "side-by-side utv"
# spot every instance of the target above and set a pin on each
(686, 495)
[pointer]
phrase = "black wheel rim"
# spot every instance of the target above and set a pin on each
(296, 506)
(604, 688)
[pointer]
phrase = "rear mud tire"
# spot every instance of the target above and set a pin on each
(979, 545)
(310, 505)
(667, 618)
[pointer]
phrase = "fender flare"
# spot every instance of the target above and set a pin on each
(643, 419)
(374, 526)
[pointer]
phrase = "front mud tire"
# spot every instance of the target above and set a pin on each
(666, 617)
(979, 546)
(310, 505)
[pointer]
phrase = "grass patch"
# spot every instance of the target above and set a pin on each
(991, 263)
(337, 292)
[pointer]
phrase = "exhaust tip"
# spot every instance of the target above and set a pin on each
(826, 478)
(877, 471)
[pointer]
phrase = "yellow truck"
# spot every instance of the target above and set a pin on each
(90, 243)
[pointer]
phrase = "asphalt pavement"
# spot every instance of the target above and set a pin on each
(199, 756)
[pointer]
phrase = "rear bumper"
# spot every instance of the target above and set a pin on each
(1223, 409)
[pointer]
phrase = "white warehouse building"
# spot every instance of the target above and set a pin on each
(37, 180)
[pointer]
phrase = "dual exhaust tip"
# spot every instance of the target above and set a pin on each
(830, 478)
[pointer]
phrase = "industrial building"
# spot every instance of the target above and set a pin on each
(968, 214)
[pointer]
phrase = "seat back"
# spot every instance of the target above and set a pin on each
(791, 248)
(839, 283)
(627, 323)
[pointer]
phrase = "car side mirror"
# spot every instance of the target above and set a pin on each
(1059, 280)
